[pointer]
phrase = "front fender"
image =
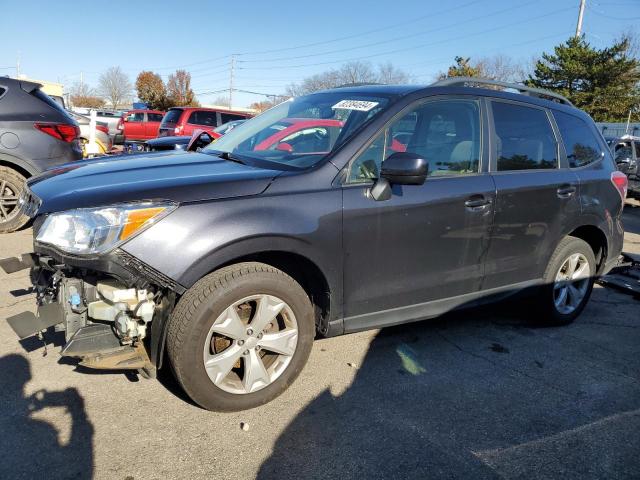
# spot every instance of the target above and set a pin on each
(198, 238)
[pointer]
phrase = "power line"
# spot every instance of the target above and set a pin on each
(403, 37)
(414, 47)
(368, 32)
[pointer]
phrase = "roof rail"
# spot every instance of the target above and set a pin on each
(523, 89)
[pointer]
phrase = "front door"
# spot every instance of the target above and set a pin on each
(402, 256)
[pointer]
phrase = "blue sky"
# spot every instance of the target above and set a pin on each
(280, 42)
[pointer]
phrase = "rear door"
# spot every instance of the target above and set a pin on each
(134, 126)
(426, 243)
(537, 197)
(152, 125)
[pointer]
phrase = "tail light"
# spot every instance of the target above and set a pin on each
(178, 129)
(61, 131)
(103, 129)
(621, 182)
(120, 125)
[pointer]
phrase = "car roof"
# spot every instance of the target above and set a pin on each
(426, 90)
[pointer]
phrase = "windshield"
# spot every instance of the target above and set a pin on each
(303, 131)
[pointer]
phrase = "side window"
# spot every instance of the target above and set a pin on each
(636, 145)
(228, 117)
(525, 140)
(136, 117)
(203, 117)
(446, 133)
(154, 117)
(579, 141)
(623, 151)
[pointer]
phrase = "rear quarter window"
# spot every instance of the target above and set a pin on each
(580, 143)
(229, 117)
(2, 90)
(154, 117)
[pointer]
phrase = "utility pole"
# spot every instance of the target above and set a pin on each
(231, 74)
(580, 17)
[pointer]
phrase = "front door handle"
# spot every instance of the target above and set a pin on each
(477, 202)
(565, 191)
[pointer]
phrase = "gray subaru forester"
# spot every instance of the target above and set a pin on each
(343, 210)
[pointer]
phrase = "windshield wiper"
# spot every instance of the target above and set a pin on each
(231, 158)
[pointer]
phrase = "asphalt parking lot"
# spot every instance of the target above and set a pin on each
(476, 394)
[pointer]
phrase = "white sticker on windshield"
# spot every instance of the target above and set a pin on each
(361, 105)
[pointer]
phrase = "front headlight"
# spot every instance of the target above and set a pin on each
(95, 230)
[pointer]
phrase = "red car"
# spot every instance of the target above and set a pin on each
(183, 121)
(140, 125)
(300, 135)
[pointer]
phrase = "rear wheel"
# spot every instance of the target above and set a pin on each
(240, 336)
(568, 281)
(11, 186)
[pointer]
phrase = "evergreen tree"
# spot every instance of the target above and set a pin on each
(605, 83)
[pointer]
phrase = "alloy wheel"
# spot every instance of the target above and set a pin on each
(571, 284)
(8, 200)
(250, 344)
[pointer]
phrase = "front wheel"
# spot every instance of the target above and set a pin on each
(240, 336)
(568, 279)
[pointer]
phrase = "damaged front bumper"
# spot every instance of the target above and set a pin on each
(112, 309)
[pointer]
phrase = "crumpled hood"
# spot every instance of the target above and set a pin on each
(176, 176)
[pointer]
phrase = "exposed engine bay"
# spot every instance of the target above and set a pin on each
(106, 323)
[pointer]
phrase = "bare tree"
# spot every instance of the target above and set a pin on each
(221, 101)
(389, 74)
(503, 68)
(349, 73)
(179, 88)
(115, 87)
(82, 95)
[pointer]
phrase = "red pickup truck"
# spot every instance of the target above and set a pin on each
(140, 125)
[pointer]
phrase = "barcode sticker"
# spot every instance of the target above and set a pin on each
(361, 105)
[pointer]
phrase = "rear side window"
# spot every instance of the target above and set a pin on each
(636, 145)
(2, 90)
(135, 117)
(525, 140)
(581, 145)
(203, 117)
(229, 117)
(171, 117)
(154, 117)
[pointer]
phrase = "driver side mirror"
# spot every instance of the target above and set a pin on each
(285, 147)
(405, 168)
(401, 168)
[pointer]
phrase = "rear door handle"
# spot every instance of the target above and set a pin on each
(477, 202)
(565, 191)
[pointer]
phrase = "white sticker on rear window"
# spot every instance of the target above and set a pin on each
(361, 105)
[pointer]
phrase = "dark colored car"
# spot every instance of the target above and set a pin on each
(35, 133)
(184, 121)
(232, 259)
(626, 153)
(140, 125)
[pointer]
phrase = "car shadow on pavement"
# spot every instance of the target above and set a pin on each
(476, 394)
(33, 448)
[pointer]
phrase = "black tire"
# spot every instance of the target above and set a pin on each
(547, 312)
(196, 312)
(11, 184)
